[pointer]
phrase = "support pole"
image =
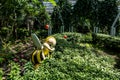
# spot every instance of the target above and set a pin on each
(112, 27)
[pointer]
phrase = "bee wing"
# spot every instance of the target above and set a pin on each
(36, 41)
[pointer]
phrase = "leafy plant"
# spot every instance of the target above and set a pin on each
(107, 41)
(18, 17)
(72, 59)
(1, 60)
(61, 16)
(15, 71)
(1, 73)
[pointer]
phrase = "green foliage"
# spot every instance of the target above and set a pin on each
(23, 32)
(1, 73)
(5, 51)
(3, 31)
(82, 8)
(1, 60)
(107, 41)
(73, 59)
(56, 21)
(14, 18)
(75, 37)
(15, 13)
(14, 72)
(61, 16)
(97, 12)
(107, 7)
(70, 61)
(82, 11)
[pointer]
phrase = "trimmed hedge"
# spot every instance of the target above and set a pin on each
(107, 41)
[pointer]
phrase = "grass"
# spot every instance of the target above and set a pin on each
(73, 59)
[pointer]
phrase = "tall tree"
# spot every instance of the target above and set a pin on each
(61, 16)
(81, 12)
(10, 11)
(108, 11)
(14, 13)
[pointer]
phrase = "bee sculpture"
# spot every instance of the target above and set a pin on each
(43, 50)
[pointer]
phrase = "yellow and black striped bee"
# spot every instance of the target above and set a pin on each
(36, 57)
(40, 54)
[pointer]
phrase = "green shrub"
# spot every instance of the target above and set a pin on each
(73, 65)
(3, 31)
(72, 41)
(107, 41)
(75, 37)
(70, 61)
(1, 60)
(22, 33)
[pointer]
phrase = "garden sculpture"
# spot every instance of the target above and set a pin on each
(43, 50)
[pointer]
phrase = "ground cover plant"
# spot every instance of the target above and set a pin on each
(77, 56)
(74, 58)
(107, 41)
